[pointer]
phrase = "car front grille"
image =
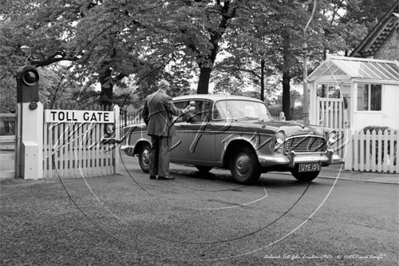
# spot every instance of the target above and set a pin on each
(305, 144)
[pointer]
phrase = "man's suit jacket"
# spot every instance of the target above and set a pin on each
(158, 114)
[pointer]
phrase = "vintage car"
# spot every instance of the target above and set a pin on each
(238, 133)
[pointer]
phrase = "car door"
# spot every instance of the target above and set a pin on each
(175, 154)
(197, 139)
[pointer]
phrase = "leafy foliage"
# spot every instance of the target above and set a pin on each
(130, 45)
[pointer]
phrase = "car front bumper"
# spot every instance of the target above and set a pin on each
(128, 150)
(293, 158)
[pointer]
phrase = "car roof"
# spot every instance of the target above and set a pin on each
(214, 97)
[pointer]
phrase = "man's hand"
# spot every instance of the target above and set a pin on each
(186, 110)
(189, 108)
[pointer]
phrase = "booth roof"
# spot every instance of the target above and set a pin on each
(361, 68)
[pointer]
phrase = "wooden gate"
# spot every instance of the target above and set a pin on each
(332, 114)
(77, 149)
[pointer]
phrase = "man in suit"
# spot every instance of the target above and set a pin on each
(158, 114)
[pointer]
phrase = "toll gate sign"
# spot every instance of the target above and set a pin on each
(79, 116)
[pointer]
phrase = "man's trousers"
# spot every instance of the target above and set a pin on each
(159, 156)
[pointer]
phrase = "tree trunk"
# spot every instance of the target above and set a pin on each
(287, 64)
(106, 94)
(286, 95)
(203, 83)
(262, 80)
(206, 61)
(323, 91)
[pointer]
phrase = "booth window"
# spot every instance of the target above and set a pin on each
(369, 97)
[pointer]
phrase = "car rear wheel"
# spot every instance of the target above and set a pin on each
(244, 166)
(204, 169)
(144, 159)
(304, 176)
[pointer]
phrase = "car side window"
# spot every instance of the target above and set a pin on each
(219, 111)
(201, 112)
(181, 105)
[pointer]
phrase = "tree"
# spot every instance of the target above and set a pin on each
(366, 12)
(228, 85)
(218, 17)
(98, 38)
(271, 42)
(279, 28)
(244, 67)
(8, 94)
(195, 30)
(177, 78)
(107, 41)
(55, 86)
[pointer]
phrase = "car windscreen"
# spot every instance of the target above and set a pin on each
(240, 109)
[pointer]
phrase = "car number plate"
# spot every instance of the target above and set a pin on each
(309, 167)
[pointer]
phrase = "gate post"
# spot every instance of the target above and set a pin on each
(30, 124)
(30, 141)
(118, 126)
(348, 160)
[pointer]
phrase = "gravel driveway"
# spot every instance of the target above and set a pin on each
(131, 220)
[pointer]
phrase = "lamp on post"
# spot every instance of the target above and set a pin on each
(305, 110)
(29, 144)
(27, 51)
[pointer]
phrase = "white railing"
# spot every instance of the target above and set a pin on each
(330, 112)
(130, 119)
(373, 152)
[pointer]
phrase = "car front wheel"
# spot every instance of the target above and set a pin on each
(244, 166)
(304, 176)
(144, 159)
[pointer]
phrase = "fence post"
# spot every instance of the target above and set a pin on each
(358, 158)
(385, 152)
(367, 147)
(348, 153)
(393, 152)
(118, 126)
(374, 151)
(396, 151)
(379, 150)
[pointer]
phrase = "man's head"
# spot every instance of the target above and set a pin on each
(164, 85)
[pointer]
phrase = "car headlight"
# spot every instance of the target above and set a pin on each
(332, 137)
(279, 140)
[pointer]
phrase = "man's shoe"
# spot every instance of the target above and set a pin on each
(153, 177)
(166, 178)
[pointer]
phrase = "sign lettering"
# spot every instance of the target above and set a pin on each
(78, 116)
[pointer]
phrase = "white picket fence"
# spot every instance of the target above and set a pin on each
(372, 152)
(75, 149)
